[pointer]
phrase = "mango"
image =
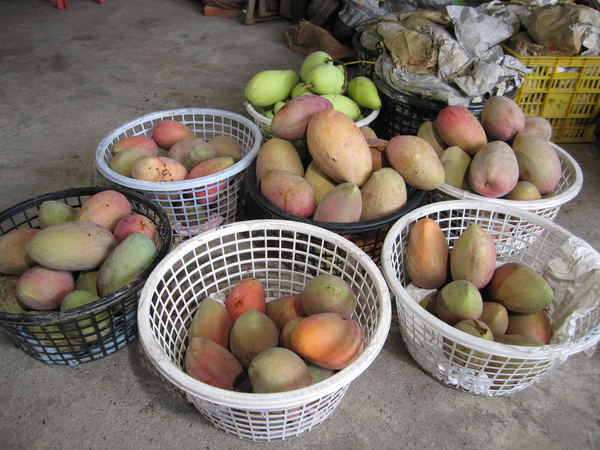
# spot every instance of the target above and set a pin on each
(427, 254)
(285, 336)
(192, 151)
(428, 131)
(158, 168)
(299, 90)
(328, 293)
(325, 78)
(291, 120)
(416, 160)
(90, 327)
(212, 364)
(278, 369)
(538, 126)
(456, 166)
(319, 181)
(494, 170)
(318, 373)
(524, 190)
(226, 146)
(364, 92)
(71, 246)
(141, 143)
(495, 316)
(341, 204)
(473, 257)
(464, 355)
(289, 192)
(8, 299)
(313, 59)
(519, 288)
(502, 118)
(536, 325)
(277, 153)
(105, 208)
(338, 147)
(168, 131)
(429, 303)
(344, 104)
(87, 281)
(283, 309)
(378, 157)
(126, 263)
(246, 294)
(122, 162)
(252, 333)
(210, 192)
(458, 126)
(368, 132)
(14, 260)
(384, 193)
(459, 300)
(270, 86)
(136, 223)
(44, 289)
(77, 298)
(52, 212)
(329, 340)
(211, 321)
(538, 162)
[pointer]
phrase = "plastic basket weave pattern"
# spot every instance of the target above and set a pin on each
(188, 203)
(366, 69)
(473, 364)
(283, 255)
(89, 332)
(569, 185)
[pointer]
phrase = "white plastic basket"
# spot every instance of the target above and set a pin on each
(188, 203)
(283, 255)
(264, 123)
(475, 365)
(568, 187)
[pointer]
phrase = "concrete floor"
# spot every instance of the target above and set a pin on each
(68, 78)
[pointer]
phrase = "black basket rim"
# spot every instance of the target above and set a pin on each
(51, 317)
(358, 46)
(413, 200)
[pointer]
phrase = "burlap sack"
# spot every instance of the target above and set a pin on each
(306, 38)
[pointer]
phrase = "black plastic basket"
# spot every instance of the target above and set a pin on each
(364, 54)
(368, 235)
(92, 331)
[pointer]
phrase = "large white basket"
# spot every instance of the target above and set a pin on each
(568, 187)
(283, 255)
(187, 203)
(475, 365)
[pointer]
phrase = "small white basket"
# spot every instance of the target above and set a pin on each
(188, 204)
(264, 123)
(475, 365)
(568, 187)
(283, 255)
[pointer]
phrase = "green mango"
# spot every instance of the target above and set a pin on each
(364, 92)
(326, 79)
(312, 60)
(52, 212)
(270, 86)
(344, 104)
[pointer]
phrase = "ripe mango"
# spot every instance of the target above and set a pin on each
(71, 246)
(291, 120)
(211, 321)
(341, 204)
(285, 336)
(252, 333)
(325, 78)
(141, 143)
(52, 212)
(283, 309)
(168, 131)
(277, 153)
(473, 257)
(212, 364)
(456, 166)
(14, 260)
(192, 151)
(318, 373)
(459, 300)
(427, 254)
(270, 86)
(289, 192)
(428, 131)
(136, 223)
(384, 193)
(416, 160)
(458, 126)
(494, 170)
(344, 104)
(226, 146)
(524, 190)
(319, 180)
(378, 157)
(538, 126)
(105, 208)
(278, 369)
(126, 263)
(158, 168)
(44, 289)
(328, 293)
(502, 118)
(495, 316)
(520, 288)
(538, 162)
(536, 325)
(364, 92)
(246, 294)
(368, 132)
(313, 59)
(339, 148)
(210, 192)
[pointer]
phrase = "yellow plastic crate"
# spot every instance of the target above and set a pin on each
(564, 90)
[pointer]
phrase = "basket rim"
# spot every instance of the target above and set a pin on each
(252, 401)
(348, 227)
(266, 121)
(530, 205)
(549, 351)
(51, 317)
(168, 186)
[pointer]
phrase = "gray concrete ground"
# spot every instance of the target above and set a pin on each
(68, 78)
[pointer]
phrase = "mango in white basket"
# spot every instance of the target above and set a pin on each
(208, 362)
(226, 146)
(538, 162)
(192, 151)
(494, 170)
(141, 143)
(538, 126)
(536, 325)
(344, 104)
(278, 369)
(122, 162)
(502, 118)
(158, 168)
(325, 79)
(427, 254)
(270, 86)
(314, 59)
(168, 131)
(459, 300)
(252, 333)
(473, 257)
(364, 92)
(524, 190)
